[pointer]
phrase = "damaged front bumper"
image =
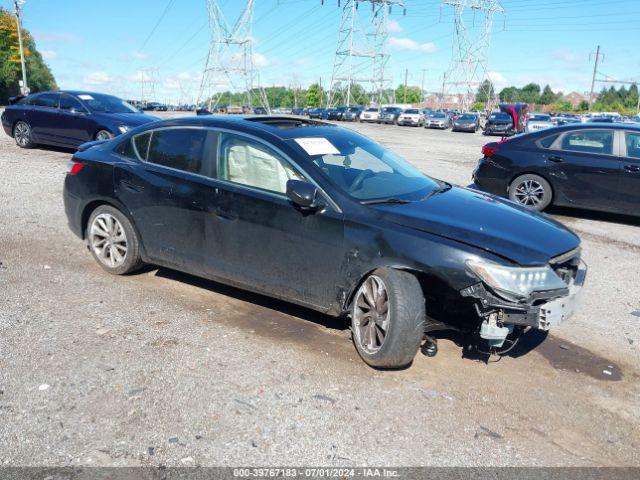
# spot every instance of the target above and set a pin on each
(542, 310)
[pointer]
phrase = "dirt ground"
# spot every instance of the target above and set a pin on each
(163, 368)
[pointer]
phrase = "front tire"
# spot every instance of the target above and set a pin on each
(387, 318)
(22, 134)
(531, 191)
(104, 135)
(113, 241)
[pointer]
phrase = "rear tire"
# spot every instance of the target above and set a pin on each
(388, 318)
(113, 241)
(531, 191)
(22, 134)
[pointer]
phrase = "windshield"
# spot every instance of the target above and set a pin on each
(499, 116)
(372, 110)
(98, 102)
(471, 118)
(365, 170)
(412, 111)
(540, 118)
(438, 115)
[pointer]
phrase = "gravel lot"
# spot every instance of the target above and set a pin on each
(162, 368)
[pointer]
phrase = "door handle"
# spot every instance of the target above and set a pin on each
(632, 168)
(556, 159)
(131, 186)
(226, 216)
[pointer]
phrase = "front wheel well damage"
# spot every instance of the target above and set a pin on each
(446, 309)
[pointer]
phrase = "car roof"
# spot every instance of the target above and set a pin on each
(283, 127)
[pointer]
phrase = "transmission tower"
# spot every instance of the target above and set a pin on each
(473, 21)
(361, 57)
(230, 62)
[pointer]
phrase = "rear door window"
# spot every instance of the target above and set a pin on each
(47, 100)
(67, 102)
(589, 141)
(177, 148)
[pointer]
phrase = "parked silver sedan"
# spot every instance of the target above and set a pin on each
(539, 121)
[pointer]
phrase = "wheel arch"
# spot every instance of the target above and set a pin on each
(426, 280)
(93, 204)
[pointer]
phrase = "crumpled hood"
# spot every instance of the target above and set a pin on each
(129, 119)
(487, 222)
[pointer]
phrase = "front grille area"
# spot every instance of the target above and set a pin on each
(566, 265)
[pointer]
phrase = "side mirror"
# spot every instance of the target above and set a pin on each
(303, 194)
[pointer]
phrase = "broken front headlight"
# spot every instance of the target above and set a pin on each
(519, 282)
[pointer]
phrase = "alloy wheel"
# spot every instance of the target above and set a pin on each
(22, 134)
(371, 314)
(108, 240)
(529, 193)
(103, 135)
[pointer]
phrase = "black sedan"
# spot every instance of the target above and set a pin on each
(499, 123)
(69, 118)
(591, 166)
(324, 217)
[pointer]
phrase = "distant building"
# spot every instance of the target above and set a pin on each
(574, 98)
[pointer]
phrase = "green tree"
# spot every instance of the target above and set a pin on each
(583, 106)
(509, 94)
(530, 93)
(409, 95)
(314, 95)
(548, 97)
(485, 91)
(39, 76)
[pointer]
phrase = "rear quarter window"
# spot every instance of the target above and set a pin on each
(547, 141)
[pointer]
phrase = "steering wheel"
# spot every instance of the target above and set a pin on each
(357, 182)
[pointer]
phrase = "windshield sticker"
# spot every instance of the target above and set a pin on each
(317, 146)
(85, 97)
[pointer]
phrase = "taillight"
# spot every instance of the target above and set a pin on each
(488, 151)
(75, 167)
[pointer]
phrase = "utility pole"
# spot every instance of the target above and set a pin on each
(469, 64)
(17, 5)
(406, 78)
(444, 82)
(593, 79)
(230, 62)
(361, 56)
(422, 86)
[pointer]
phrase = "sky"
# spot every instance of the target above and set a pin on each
(110, 46)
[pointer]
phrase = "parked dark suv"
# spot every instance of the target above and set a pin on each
(324, 217)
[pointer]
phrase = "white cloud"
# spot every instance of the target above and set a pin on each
(393, 26)
(48, 54)
(411, 45)
(496, 78)
(568, 56)
(138, 55)
(56, 37)
(97, 78)
(260, 60)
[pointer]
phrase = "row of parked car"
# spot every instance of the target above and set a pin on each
(415, 117)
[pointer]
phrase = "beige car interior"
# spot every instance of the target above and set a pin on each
(248, 164)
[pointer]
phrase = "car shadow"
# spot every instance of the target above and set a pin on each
(528, 342)
(594, 215)
(255, 299)
(51, 148)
